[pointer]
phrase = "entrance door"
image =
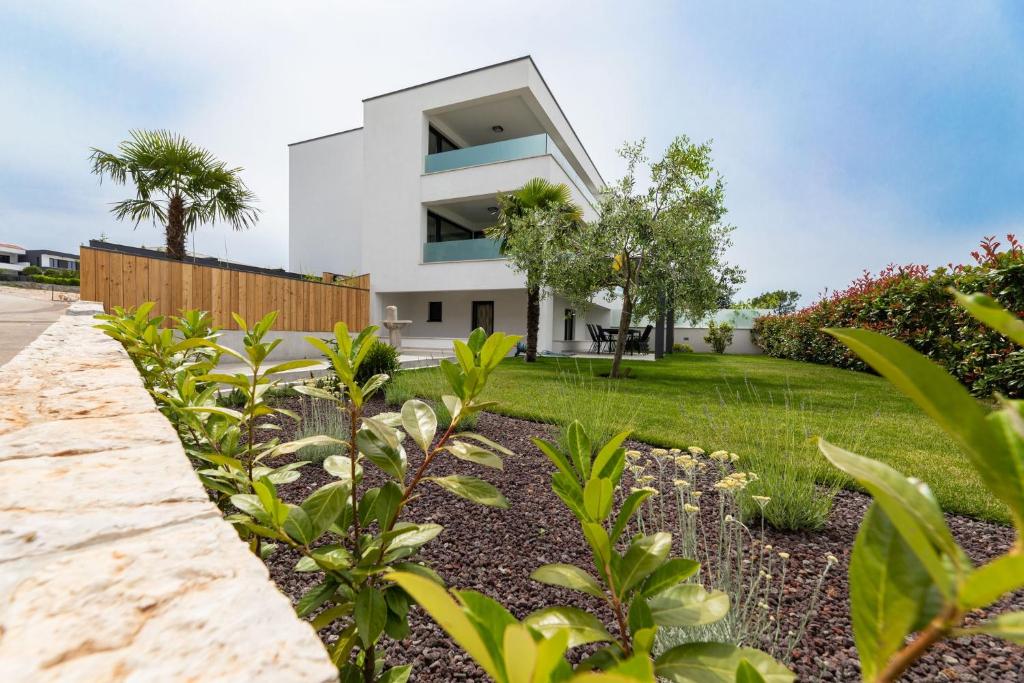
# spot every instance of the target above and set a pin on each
(483, 316)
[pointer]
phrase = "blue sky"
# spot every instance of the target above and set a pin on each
(850, 135)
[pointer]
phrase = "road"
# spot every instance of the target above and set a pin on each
(24, 314)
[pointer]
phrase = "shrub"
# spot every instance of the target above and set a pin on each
(719, 336)
(912, 304)
(681, 348)
(31, 270)
(911, 584)
(321, 418)
(382, 359)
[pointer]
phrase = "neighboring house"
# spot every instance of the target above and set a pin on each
(11, 256)
(407, 196)
(742, 319)
(48, 258)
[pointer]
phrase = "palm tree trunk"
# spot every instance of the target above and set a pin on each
(620, 339)
(176, 228)
(532, 322)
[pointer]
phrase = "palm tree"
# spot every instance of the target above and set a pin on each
(177, 184)
(535, 194)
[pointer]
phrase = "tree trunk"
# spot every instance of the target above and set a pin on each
(532, 322)
(620, 338)
(176, 228)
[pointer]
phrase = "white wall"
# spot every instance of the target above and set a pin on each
(325, 186)
(456, 312)
(595, 315)
(694, 336)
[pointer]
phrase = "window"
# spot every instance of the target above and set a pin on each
(4, 258)
(570, 325)
(438, 142)
(440, 229)
(434, 312)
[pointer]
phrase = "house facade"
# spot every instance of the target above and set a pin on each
(17, 258)
(407, 196)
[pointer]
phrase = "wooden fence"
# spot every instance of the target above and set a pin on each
(122, 279)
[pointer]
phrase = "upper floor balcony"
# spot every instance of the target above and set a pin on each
(505, 150)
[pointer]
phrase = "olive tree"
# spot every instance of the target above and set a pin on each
(658, 248)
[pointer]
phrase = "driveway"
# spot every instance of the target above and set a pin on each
(24, 314)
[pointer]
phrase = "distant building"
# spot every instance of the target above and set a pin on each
(49, 258)
(17, 258)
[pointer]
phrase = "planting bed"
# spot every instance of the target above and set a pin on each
(494, 551)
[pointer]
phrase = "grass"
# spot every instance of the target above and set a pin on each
(747, 404)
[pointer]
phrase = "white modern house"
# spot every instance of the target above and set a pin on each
(406, 198)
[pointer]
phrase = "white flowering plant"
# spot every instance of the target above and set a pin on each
(911, 584)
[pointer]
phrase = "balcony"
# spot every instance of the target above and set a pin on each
(505, 150)
(462, 250)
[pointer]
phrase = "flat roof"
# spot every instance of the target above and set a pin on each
(466, 73)
(328, 135)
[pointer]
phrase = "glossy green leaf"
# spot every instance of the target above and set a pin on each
(315, 392)
(292, 365)
(990, 582)
(250, 504)
(568, 576)
(370, 614)
(314, 597)
(674, 571)
(324, 505)
(888, 587)
(449, 615)
(494, 446)
(688, 604)
(915, 515)
(604, 462)
(473, 453)
(387, 457)
(471, 488)
(952, 407)
(583, 627)
(298, 525)
(340, 466)
(492, 621)
(628, 509)
(419, 422)
(597, 499)
(644, 555)
(578, 445)
(716, 663)
(396, 674)
(556, 457)
(746, 673)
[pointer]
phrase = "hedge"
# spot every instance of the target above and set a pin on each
(913, 304)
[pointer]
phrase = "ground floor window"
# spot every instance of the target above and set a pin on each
(570, 325)
(434, 312)
(483, 316)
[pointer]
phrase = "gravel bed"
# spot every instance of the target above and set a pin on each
(494, 551)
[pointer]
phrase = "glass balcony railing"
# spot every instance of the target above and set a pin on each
(506, 150)
(462, 250)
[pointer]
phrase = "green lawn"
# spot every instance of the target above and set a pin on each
(757, 406)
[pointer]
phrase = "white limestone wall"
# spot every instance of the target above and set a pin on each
(114, 565)
(694, 336)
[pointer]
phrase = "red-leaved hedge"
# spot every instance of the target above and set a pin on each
(913, 304)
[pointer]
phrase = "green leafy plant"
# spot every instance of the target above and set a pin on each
(643, 587)
(352, 534)
(719, 336)
(31, 270)
(907, 573)
(681, 348)
(320, 418)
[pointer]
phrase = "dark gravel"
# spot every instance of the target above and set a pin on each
(493, 551)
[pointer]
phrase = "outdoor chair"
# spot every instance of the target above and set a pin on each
(639, 343)
(606, 339)
(595, 339)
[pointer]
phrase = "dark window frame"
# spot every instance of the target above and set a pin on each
(438, 142)
(569, 328)
(431, 318)
(434, 231)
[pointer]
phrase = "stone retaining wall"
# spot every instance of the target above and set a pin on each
(114, 564)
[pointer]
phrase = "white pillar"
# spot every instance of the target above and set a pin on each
(545, 330)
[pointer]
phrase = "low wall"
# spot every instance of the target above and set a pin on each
(114, 564)
(694, 336)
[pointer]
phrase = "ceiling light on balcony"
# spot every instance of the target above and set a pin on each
(498, 129)
(493, 210)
